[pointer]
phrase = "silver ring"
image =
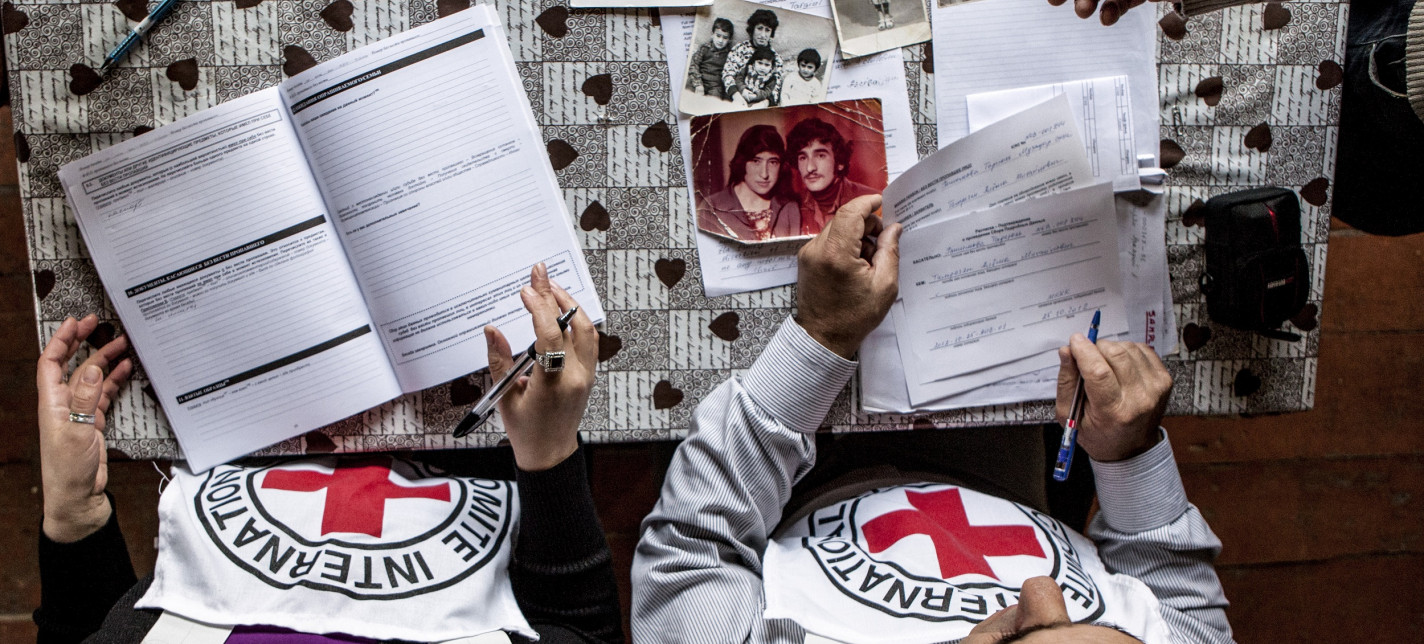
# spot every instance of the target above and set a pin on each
(550, 361)
(87, 419)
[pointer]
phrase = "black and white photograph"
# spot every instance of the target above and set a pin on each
(747, 56)
(871, 26)
(782, 173)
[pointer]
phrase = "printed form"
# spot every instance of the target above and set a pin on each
(232, 277)
(1103, 109)
(729, 267)
(884, 386)
(987, 168)
(435, 172)
(1009, 282)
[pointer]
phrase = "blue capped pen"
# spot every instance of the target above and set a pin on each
(1075, 415)
(136, 34)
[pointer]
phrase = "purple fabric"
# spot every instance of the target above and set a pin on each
(277, 635)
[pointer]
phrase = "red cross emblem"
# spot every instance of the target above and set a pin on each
(960, 547)
(356, 494)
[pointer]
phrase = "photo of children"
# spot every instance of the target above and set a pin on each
(759, 50)
(804, 86)
(779, 174)
(871, 26)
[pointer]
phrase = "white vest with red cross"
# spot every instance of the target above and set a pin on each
(926, 563)
(378, 547)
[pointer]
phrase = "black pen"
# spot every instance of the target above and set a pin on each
(485, 408)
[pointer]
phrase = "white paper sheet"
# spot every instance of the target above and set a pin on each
(636, 4)
(1004, 44)
(1030, 154)
(1103, 109)
(1009, 282)
(1147, 294)
(728, 267)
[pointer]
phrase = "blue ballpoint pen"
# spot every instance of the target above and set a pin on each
(1075, 415)
(136, 34)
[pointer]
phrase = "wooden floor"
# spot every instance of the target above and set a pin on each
(1321, 513)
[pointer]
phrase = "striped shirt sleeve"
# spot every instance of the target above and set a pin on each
(697, 569)
(1146, 529)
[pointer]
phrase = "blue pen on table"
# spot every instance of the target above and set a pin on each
(136, 34)
(1075, 415)
(486, 406)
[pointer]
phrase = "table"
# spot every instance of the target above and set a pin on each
(1246, 100)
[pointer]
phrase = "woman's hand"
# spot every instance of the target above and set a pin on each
(541, 412)
(73, 461)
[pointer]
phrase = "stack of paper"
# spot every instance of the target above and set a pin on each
(1011, 245)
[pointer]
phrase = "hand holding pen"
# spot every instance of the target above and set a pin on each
(541, 411)
(1126, 388)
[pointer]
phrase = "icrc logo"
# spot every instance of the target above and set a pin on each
(939, 562)
(376, 528)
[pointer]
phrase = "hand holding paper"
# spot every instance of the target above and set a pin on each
(847, 286)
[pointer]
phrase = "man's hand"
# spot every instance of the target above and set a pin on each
(847, 283)
(1127, 388)
(541, 411)
(1111, 9)
(74, 465)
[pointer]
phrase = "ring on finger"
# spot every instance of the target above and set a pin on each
(87, 419)
(550, 361)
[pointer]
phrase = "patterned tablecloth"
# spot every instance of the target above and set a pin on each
(1250, 96)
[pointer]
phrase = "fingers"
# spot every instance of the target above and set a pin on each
(85, 388)
(581, 329)
(874, 225)
(1085, 8)
(1099, 380)
(1155, 370)
(50, 372)
(1111, 11)
(886, 262)
(1067, 384)
(1056, 3)
(539, 299)
(500, 357)
(848, 226)
(117, 377)
(1123, 358)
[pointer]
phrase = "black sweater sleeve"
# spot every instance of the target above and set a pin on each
(562, 569)
(81, 581)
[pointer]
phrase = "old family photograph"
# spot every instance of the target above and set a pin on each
(748, 56)
(781, 173)
(745, 55)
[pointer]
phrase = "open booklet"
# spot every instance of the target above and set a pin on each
(304, 253)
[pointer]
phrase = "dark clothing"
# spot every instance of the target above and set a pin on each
(707, 65)
(721, 214)
(561, 571)
(80, 581)
(817, 209)
(1378, 166)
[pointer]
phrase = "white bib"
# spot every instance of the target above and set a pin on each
(926, 563)
(379, 547)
